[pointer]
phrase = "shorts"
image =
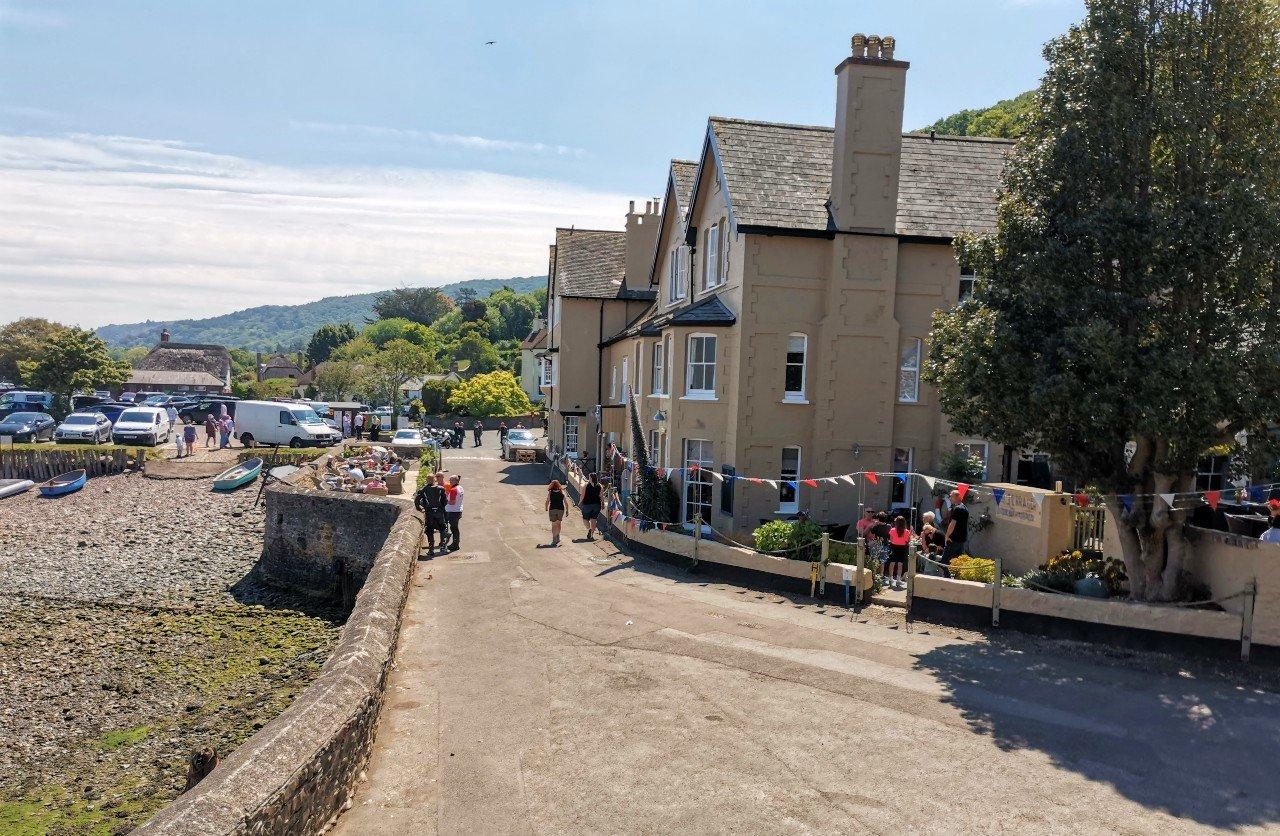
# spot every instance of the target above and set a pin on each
(556, 514)
(590, 512)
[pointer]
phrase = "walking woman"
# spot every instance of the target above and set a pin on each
(899, 548)
(210, 431)
(555, 509)
(591, 504)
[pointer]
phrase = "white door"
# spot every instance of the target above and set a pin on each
(697, 486)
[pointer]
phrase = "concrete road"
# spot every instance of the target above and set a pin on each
(578, 690)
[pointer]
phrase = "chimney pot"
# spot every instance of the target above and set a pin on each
(859, 44)
(873, 46)
(631, 209)
(887, 45)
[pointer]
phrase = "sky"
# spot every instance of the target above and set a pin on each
(179, 159)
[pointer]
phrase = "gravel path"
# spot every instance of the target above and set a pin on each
(133, 638)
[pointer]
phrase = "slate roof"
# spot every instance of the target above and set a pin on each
(709, 311)
(684, 172)
(780, 176)
(189, 357)
(590, 262)
(536, 339)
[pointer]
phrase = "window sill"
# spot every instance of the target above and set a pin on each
(802, 401)
(786, 512)
(910, 403)
(698, 397)
(659, 396)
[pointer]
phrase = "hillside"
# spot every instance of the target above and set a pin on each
(284, 327)
(1003, 119)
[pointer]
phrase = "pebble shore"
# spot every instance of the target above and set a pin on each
(132, 637)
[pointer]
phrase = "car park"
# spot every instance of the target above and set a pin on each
(142, 425)
(111, 410)
(516, 440)
(83, 427)
(25, 427)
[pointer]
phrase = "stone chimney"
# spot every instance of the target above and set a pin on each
(642, 239)
(870, 89)
(164, 336)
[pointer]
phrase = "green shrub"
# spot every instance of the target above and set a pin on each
(789, 536)
(1046, 580)
(274, 458)
(1076, 565)
(968, 568)
(427, 464)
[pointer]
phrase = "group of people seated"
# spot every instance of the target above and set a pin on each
(368, 471)
(940, 537)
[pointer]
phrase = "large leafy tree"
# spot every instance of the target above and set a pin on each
(75, 360)
(492, 394)
(21, 343)
(1129, 313)
(326, 338)
(1006, 118)
(423, 305)
(338, 379)
(389, 369)
(478, 352)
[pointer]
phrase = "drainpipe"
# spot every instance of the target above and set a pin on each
(600, 387)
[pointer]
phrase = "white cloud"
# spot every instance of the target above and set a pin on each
(97, 229)
(478, 143)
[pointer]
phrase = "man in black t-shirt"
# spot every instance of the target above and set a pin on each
(957, 532)
(430, 500)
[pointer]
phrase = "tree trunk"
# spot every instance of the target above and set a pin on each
(1151, 540)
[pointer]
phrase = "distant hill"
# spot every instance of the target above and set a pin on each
(1005, 118)
(283, 327)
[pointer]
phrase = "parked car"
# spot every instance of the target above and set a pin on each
(517, 440)
(142, 425)
(25, 427)
(92, 427)
(82, 403)
(127, 397)
(21, 400)
(112, 410)
(269, 422)
(407, 443)
(204, 407)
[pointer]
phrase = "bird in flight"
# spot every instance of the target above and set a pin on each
(490, 43)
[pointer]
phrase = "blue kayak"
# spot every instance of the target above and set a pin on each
(241, 474)
(64, 484)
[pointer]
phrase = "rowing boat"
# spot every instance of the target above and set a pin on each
(66, 483)
(241, 474)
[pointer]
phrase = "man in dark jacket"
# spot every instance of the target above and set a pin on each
(430, 500)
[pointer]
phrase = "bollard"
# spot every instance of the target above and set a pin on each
(861, 561)
(697, 538)
(911, 581)
(847, 574)
(813, 578)
(1246, 619)
(995, 596)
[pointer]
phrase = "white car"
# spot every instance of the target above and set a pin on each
(142, 425)
(89, 427)
(518, 440)
(407, 442)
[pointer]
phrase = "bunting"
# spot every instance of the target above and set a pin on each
(1168, 498)
(1213, 498)
(998, 493)
(962, 489)
(1126, 499)
(813, 483)
(871, 477)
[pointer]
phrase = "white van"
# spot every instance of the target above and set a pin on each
(274, 422)
(142, 425)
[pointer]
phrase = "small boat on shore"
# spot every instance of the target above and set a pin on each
(13, 487)
(241, 474)
(66, 483)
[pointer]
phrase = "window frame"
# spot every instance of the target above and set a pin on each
(689, 363)
(791, 506)
(626, 378)
(968, 279)
(903, 368)
(902, 489)
(791, 395)
(711, 257)
(657, 371)
(574, 450)
(677, 274)
(547, 366)
(613, 383)
(967, 444)
(655, 452)
(699, 479)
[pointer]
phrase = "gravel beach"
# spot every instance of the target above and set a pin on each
(131, 639)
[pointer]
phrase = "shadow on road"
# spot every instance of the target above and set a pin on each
(1200, 750)
(531, 473)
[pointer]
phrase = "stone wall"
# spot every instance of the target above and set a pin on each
(317, 542)
(298, 771)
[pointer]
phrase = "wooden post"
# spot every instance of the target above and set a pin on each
(1246, 619)
(995, 596)
(911, 582)
(697, 537)
(826, 558)
(861, 561)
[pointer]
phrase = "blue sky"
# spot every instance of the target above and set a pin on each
(285, 150)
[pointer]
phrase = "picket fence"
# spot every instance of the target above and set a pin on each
(40, 465)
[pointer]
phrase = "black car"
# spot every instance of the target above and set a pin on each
(29, 426)
(205, 407)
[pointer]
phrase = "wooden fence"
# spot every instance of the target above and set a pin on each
(40, 465)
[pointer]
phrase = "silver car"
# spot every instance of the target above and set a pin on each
(84, 428)
(517, 440)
